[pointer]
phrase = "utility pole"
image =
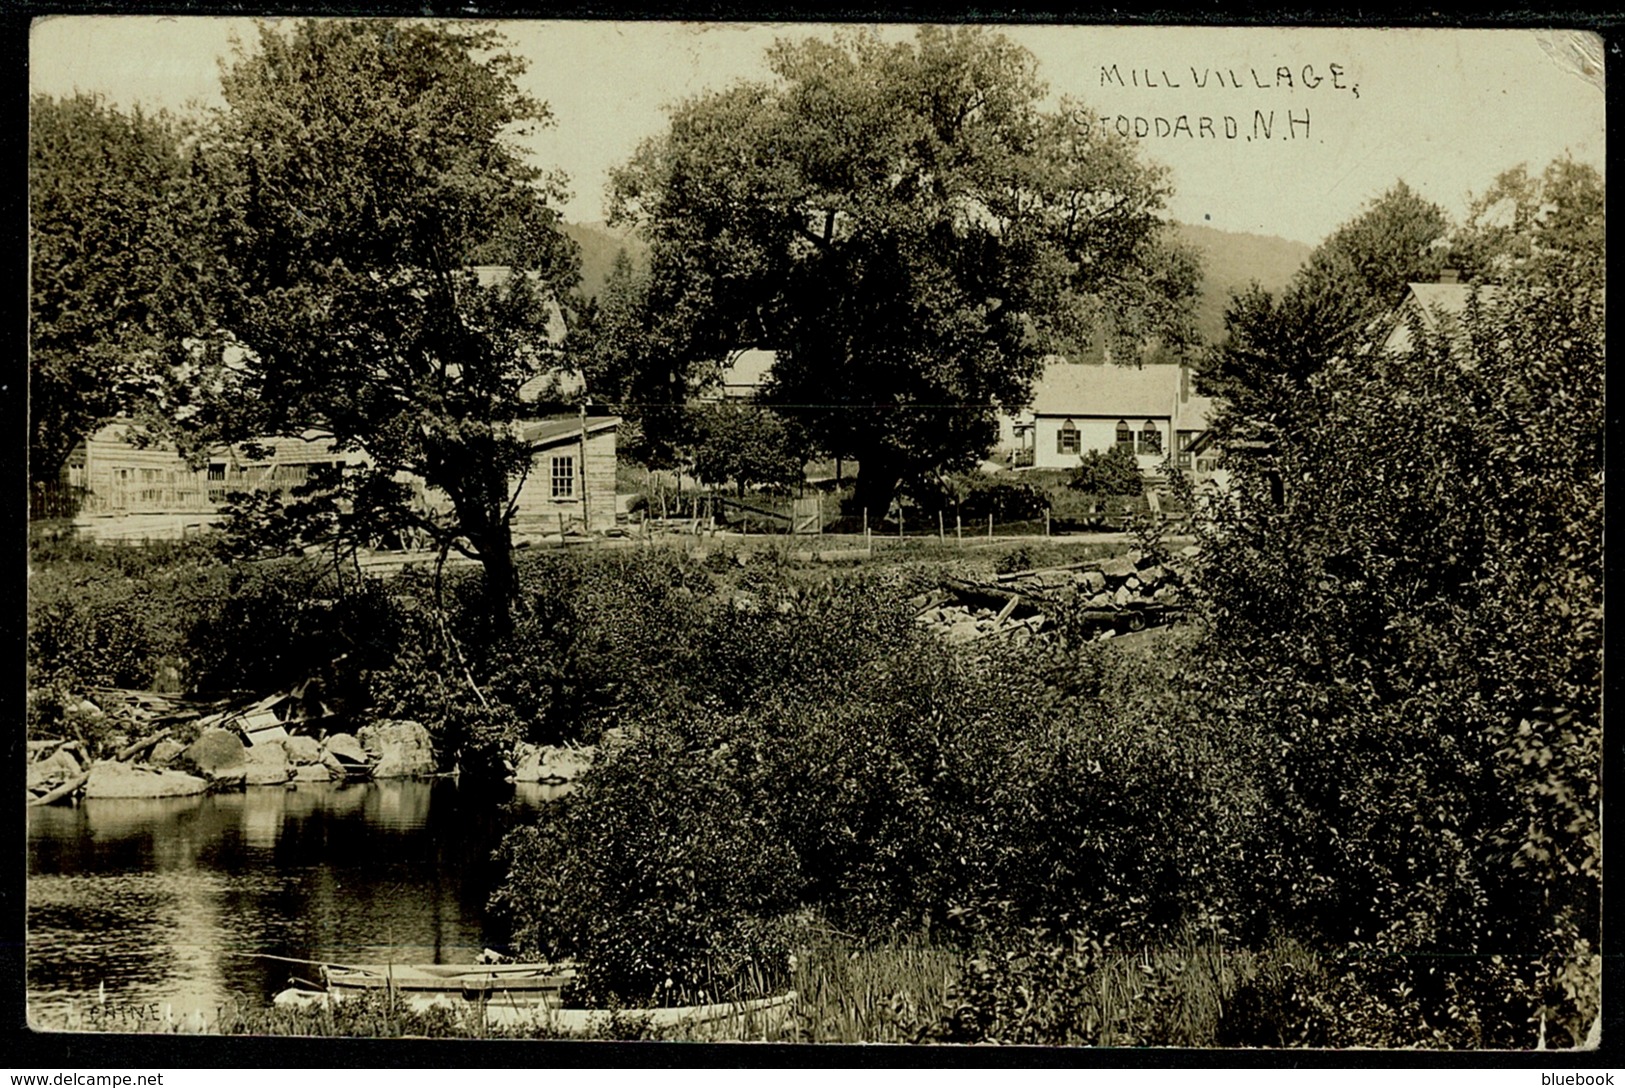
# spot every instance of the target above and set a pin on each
(586, 519)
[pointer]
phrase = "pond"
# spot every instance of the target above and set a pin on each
(173, 904)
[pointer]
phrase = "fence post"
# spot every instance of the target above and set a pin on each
(1046, 521)
(959, 529)
(990, 525)
(899, 523)
(941, 536)
(561, 528)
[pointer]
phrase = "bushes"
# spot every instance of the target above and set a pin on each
(1411, 636)
(1110, 473)
(914, 793)
(681, 885)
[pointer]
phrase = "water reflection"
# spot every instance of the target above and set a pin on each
(166, 900)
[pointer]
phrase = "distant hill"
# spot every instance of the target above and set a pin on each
(599, 243)
(1233, 260)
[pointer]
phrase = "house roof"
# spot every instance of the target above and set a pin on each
(1105, 389)
(1449, 298)
(749, 367)
(1196, 413)
(490, 275)
(1429, 301)
(555, 432)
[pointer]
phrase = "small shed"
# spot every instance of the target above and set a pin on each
(572, 476)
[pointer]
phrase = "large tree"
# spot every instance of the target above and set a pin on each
(908, 229)
(1527, 228)
(114, 266)
(364, 168)
(1333, 306)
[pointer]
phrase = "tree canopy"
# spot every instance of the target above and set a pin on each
(911, 233)
(1550, 227)
(391, 253)
(114, 266)
(1412, 613)
(1349, 284)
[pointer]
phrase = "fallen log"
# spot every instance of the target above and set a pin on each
(47, 750)
(130, 751)
(1016, 575)
(65, 790)
(997, 597)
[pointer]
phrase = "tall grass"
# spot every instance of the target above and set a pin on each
(847, 994)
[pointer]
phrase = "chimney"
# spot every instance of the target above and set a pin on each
(1184, 381)
(1449, 275)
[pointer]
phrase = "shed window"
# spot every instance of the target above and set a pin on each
(1125, 437)
(1067, 439)
(564, 477)
(1150, 438)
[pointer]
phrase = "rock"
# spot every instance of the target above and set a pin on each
(1150, 576)
(217, 755)
(90, 709)
(1164, 594)
(312, 772)
(1122, 597)
(1092, 581)
(302, 751)
(1133, 556)
(51, 772)
(346, 747)
(1191, 551)
(1131, 583)
(1145, 561)
(165, 752)
(1116, 570)
(550, 764)
(1100, 600)
(335, 766)
(267, 764)
(110, 778)
(402, 748)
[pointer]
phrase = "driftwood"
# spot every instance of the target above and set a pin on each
(45, 750)
(66, 789)
(129, 752)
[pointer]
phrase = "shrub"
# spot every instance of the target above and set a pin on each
(1112, 472)
(654, 889)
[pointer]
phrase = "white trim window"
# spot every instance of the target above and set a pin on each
(1068, 439)
(563, 477)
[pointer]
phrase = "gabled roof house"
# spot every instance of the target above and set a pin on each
(1150, 410)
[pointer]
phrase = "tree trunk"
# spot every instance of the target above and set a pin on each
(876, 486)
(501, 576)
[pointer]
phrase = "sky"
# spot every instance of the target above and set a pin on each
(1287, 132)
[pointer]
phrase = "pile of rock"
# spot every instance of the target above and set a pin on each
(1108, 597)
(219, 759)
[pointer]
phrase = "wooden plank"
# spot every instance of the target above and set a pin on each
(1004, 613)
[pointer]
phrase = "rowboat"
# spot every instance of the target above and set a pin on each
(527, 994)
(514, 982)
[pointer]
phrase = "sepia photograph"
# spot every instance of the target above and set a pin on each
(1047, 535)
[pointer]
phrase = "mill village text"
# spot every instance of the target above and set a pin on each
(1263, 125)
